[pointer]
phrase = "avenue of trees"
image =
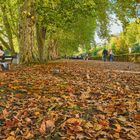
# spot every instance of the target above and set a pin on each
(42, 30)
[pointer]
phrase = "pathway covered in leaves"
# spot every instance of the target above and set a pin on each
(71, 100)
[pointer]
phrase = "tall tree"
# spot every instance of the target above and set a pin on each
(7, 31)
(27, 31)
(126, 10)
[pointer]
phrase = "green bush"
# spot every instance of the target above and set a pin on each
(136, 48)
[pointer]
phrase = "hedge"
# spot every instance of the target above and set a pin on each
(134, 57)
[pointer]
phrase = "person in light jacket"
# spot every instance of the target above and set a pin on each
(110, 55)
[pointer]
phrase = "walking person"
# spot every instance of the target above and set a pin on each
(105, 54)
(111, 55)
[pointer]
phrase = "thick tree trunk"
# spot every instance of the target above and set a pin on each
(52, 49)
(5, 44)
(41, 37)
(8, 31)
(26, 32)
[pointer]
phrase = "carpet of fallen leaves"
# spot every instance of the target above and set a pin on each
(71, 100)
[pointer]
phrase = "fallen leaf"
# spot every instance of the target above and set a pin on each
(98, 127)
(49, 124)
(36, 113)
(28, 120)
(88, 125)
(75, 121)
(118, 128)
(5, 113)
(11, 138)
(42, 128)
(122, 118)
(137, 117)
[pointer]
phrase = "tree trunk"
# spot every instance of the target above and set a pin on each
(52, 49)
(8, 31)
(41, 37)
(26, 32)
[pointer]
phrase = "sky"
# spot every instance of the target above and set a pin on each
(115, 28)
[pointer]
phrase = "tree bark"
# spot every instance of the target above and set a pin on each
(52, 49)
(5, 44)
(26, 33)
(8, 31)
(41, 37)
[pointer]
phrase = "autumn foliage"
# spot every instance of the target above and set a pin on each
(71, 100)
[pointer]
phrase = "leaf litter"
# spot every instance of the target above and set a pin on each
(83, 100)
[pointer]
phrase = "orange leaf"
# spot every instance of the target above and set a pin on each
(103, 123)
(50, 124)
(74, 121)
(69, 89)
(12, 86)
(118, 128)
(36, 113)
(42, 128)
(1, 83)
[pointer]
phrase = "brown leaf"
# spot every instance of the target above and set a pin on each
(28, 120)
(5, 113)
(137, 117)
(11, 123)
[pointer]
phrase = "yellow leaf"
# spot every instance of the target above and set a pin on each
(11, 138)
(88, 125)
(29, 13)
(24, 12)
(98, 127)
(32, 17)
(121, 118)
(12, 133)
(37, 113)
(28, 135)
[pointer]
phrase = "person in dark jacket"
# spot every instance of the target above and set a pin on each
(105, 54)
